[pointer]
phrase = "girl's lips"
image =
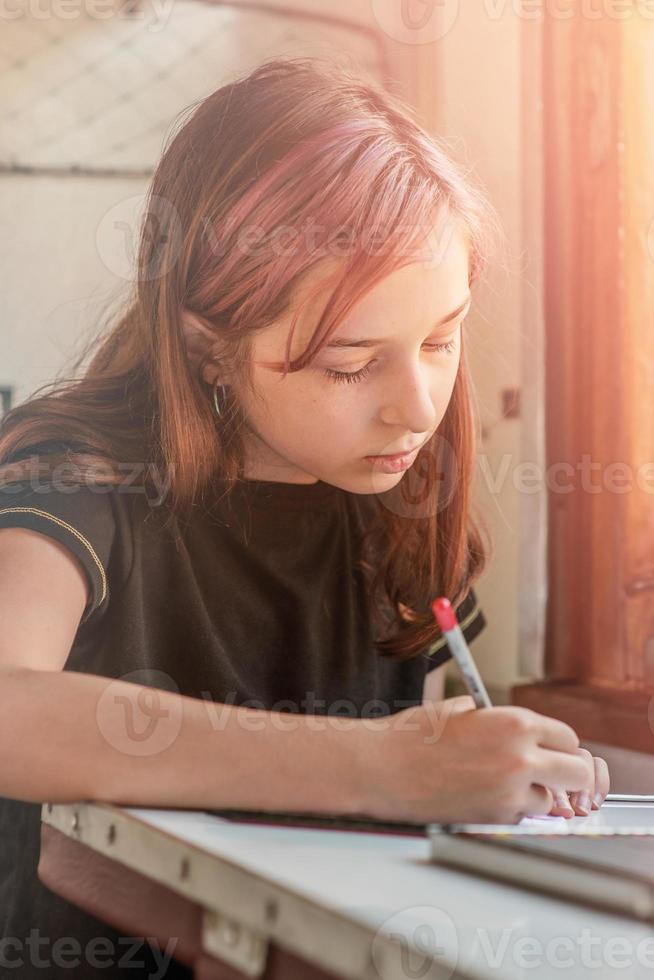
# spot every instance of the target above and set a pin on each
(393, 464)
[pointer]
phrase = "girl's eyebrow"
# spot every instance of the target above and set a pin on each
(349, 342)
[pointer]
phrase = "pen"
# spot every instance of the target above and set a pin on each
(637, 798)
(446, 619)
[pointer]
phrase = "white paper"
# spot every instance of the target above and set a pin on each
(546, 818)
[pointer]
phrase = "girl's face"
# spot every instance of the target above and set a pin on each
(385, 391)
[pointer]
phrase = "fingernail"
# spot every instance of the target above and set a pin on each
(583, 803)
(561, 799)
(597, 800)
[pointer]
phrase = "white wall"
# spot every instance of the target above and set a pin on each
(56, 279)
(480, 109)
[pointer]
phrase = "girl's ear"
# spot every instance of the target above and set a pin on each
(199, 338)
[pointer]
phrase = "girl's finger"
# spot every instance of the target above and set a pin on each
(540, 801)
(561, 806)
(602, 781)
(581, 800)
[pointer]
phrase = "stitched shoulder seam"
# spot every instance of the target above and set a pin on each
(463, 624)
(77, 534)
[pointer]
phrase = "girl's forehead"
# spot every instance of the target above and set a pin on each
(310, 297)
(428, 282)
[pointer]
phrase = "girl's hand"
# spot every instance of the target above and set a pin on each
(449, 762)
(580, 803)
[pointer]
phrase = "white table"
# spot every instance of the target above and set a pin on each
(351, 904)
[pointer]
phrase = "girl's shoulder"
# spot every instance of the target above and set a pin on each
(93, 521)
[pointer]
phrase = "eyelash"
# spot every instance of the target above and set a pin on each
(353, 376)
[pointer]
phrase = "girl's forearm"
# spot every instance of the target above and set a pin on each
(68, 736)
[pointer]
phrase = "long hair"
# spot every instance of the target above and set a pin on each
(298, 140)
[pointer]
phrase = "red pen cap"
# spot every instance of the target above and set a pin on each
(444, 614)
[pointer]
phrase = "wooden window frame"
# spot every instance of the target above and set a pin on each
(599, 316)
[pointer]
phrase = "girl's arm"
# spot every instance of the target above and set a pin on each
(67, 736)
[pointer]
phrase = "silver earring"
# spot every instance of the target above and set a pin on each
(215, 398)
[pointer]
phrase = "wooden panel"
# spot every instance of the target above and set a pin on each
(622, 718)
(599, 363)
(115, 894)
(637, 156)
(598, 84)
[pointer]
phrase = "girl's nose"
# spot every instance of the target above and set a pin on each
(408, 402)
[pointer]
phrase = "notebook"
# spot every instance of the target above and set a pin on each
(371, 825)
(604, 861)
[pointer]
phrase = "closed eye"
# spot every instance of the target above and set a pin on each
(447, 348)
(351, 377)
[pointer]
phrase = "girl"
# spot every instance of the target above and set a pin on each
(249, 500)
